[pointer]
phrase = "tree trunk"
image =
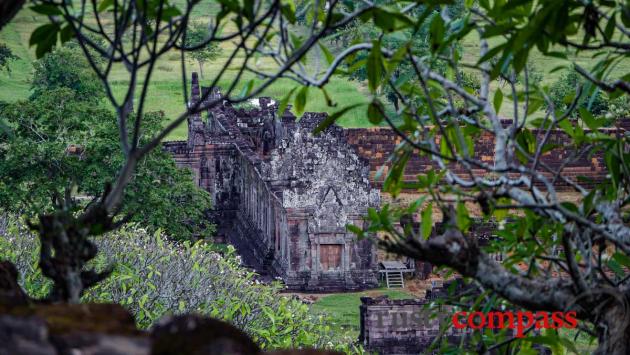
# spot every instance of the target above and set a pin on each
(200, 69)
(614, 336)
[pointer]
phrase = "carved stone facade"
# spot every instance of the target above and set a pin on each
(281, 195)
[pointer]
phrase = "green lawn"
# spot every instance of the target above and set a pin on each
(165, 91)
(541, 63)
(343, 308)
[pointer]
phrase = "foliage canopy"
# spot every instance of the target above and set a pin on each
(63, 137)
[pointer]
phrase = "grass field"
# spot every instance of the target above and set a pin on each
(165, 91)
(343, 308)
(541, 63)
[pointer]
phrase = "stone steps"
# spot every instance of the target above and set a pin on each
(394, 279)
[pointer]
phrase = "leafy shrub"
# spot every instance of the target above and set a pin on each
(66, 67)
(619, 108)
(22, 249)
(154, 277)
(563, 91)
(470, 81)
(6, 57)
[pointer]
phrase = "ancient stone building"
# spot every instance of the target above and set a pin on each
(281, 195)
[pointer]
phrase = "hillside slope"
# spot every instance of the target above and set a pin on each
(165, 91)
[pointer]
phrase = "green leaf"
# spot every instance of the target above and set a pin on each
(247, 88)
(551, 341)
(329, 100)
(589, 120)
(46, 9)
(413, 207)
(567, 127)
(105, 4)
(384, 20)
(534, 105)
(329, 56)
(394, 181)
(520, 60)
(462, 218)
(609, 31)
(170, 12)
(373, 215)
(375, 112)
(40, 33)
(614, 167)
(45, 38)
(498, 100)
(427, 222)
(527, 142)
(288, 10)
(66, 34)
(296, 40)
(568, 344)
(374, 67)
(437, 31)
(625, 15)
(394, 61)
(333, 118)
(285, 102)
(500, 213)
(622, 259)
(360, 233)
(490, 54)
(615, 267)
(300, 100)
(248, 9)
(570, 206)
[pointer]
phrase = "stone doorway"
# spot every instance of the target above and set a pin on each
(330, 257)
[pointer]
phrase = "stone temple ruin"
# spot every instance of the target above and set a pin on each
(283, 196)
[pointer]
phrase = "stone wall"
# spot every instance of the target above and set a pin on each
(376, 144)
(402, 326)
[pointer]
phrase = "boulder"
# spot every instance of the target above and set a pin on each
(197, 335)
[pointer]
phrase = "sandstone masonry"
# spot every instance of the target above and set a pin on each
(281, 195)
